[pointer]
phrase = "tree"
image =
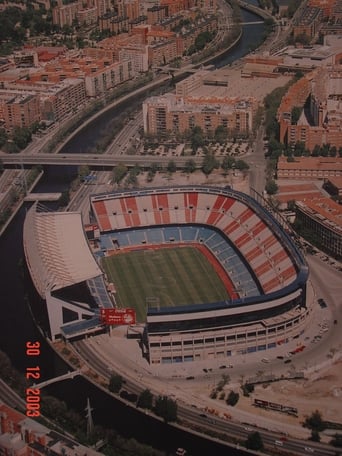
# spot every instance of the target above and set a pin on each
(119, 172)
(315, 437)
(232, 398)
(254, 441)
(21, 137)
(316, 151)
(197, 138)
(155, 168)
(315, 421)
(115, 383)
(247, 388)
(145, 399)
(336, 441)
(209, 164)
(64, 199)
(150, 176)
(190, 166)
(171, 167)
(228, 163)
(83, 171)
(299, 149)
(271, 187)
(221, 134)
(333, 151)
(166, 408)
(241, 165)
(3, 137)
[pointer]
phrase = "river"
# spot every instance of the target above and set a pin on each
(17, 326)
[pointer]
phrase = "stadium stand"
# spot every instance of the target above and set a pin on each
(267, 303)
(268, 271)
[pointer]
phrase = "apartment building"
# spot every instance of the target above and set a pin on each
(65, 14)
(138, 55)
(156, 14)
(322, 89)
(99, 75)
(308, 22)
(323, 217)
(204, 99)
(83, 12)
(18, 109)
(97, 82)
(327, 6)
(62, 99)
(87, 16)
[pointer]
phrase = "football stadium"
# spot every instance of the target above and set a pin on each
(209, 272)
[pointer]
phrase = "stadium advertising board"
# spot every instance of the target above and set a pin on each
(118, 316)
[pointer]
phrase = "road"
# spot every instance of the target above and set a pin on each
(103, 160)
(11, 398)
(195, 413)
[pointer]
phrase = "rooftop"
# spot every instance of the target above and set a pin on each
(329, 212)
(312, 163)
(57, 250)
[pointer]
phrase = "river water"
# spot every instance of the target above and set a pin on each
(17, 326)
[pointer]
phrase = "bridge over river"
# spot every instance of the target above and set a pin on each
(95, 160)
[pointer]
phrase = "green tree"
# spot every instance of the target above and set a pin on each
(316, 151)
(254, 441)
(315, 421)
(155, 167)
(3, 137)
(21, 137)
(83, 171)
(209, 164)
(119, 172)
(315, 437)
(221, 134)
(197, 139)
(115, 383)
(333, 151)
(227, 163)
(247, 389)
(241, 165)
(166, 408)
(171, 167)
(145, 400)
(271, 187)
(299, 149)
(150, 176)
(64, 199)
(232, 398)
(336, 441)
(190, 166)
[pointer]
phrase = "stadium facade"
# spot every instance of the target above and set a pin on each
(267, 304)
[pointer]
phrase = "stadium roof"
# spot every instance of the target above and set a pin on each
(56, 250)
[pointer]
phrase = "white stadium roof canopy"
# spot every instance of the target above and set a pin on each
(56, 250)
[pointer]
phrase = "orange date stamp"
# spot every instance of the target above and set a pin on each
(33, 373)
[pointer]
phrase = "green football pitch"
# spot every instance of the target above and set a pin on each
(165, 277)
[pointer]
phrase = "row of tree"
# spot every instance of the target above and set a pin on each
(122, 174)
(162, 405)
(275, 149)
